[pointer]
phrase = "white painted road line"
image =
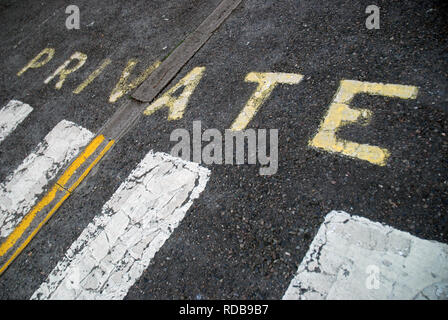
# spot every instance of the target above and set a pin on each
(20, 190)
(354, 258)
(114, 250)
(11, 116)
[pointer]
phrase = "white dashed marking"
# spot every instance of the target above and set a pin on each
(354, 258)
(11, 116)
(20, 191)
(114, 250)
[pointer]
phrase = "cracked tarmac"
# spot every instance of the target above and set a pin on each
(346, 247)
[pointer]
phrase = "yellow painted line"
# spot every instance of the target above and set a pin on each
(86, 172)
(25, 243)
(26, 221)
(80, 160)
(49, 197)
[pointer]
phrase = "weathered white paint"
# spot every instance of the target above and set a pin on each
(21, 189)
(354, 258)
(114, 250)
(11, 116)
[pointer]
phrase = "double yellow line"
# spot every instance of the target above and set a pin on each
(26, 230)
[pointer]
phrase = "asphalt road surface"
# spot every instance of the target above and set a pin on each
(239, 235)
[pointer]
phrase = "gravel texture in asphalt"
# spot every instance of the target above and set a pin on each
(246, 234)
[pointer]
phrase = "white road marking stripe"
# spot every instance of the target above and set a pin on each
(114, 250)
(20, 190)
(354, 258)
(11, 116)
